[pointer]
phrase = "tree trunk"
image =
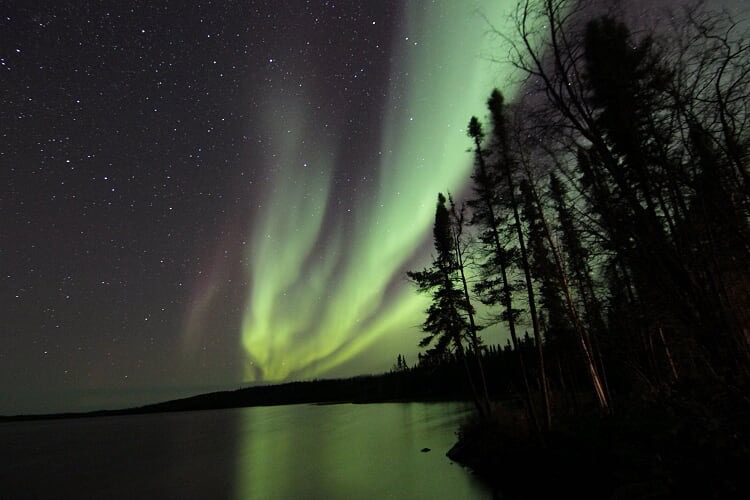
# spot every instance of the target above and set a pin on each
(507, 295)
(472, 325)
(532, 300)
(572, 311)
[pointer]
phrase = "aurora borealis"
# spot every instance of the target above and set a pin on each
(338, 287)
(218, 193)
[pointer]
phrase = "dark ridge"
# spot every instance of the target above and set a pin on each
(415, 384)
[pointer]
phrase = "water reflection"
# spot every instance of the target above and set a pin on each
(299, 451)
(351, 451)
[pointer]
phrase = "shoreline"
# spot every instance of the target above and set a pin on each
(403, 386)
(676, 450)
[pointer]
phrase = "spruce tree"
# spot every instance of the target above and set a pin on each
(505, 166)
(447, 323)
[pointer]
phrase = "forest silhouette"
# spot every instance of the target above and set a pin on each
(609, 217)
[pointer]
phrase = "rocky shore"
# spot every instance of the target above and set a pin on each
(678, 450)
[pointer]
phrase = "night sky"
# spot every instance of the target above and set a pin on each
(203, 195)
(200, 195)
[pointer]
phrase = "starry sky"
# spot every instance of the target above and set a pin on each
(204, 195)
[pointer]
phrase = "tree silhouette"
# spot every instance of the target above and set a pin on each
(506, 166)
(494, 287)
(450, 314)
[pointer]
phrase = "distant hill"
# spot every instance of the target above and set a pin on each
(415, 384)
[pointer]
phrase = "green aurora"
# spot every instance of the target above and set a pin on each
(333, 295)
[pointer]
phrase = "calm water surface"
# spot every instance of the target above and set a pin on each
(299, 451)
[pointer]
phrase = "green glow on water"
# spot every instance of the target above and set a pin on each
(351, 451)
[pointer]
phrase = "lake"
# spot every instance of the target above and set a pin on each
(296, 451)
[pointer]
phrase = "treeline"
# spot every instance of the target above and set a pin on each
(609, 216)
(402, 384)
